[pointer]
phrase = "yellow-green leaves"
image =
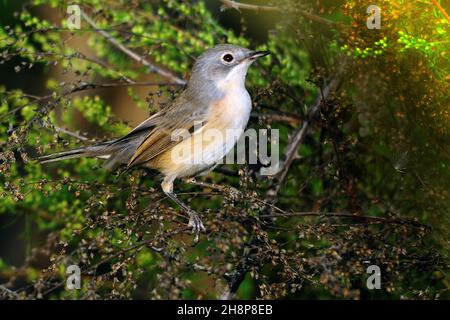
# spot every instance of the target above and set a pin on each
(94, 109)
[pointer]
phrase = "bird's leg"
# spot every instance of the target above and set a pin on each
(194, 220)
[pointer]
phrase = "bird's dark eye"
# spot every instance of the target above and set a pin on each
(228, 57)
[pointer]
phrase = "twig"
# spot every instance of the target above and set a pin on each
(86, 86)
(70, 133)
(105, 66)
(9, 292)
(133, 54)
(229, 4)
(344, 215)
(297, 138)
(441, 10)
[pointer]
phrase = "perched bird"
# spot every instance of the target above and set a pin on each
(215, 98)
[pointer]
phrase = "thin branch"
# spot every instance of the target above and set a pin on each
(70, 133)
(229, 4)
(441, 10)
(345, 215)
(104, 65)
(133, 54)
(88, 86)
(297, 139)
(8, 292)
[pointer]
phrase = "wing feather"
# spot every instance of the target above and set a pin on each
(182, 114)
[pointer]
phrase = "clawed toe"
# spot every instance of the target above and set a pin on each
(197, 225)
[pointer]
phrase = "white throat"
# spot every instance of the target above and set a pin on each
(236, 100)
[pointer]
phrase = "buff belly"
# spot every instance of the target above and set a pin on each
(227, 120)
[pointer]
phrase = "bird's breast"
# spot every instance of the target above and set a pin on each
(232, 111)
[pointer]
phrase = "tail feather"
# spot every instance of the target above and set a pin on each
(100, 150)
(116, 152)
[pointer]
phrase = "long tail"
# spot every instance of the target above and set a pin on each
(102, 150)
(116, 152)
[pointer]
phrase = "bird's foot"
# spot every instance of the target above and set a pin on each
(197, 225)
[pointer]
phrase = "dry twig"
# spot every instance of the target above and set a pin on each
(297, 139)
(132, 54)
(229, 4)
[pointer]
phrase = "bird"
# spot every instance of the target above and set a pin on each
(214, 99)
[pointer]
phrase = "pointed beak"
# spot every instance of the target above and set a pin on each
(257, 54)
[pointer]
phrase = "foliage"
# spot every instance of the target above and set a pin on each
(369, 184)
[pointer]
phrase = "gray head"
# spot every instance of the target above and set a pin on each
(223, 63)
